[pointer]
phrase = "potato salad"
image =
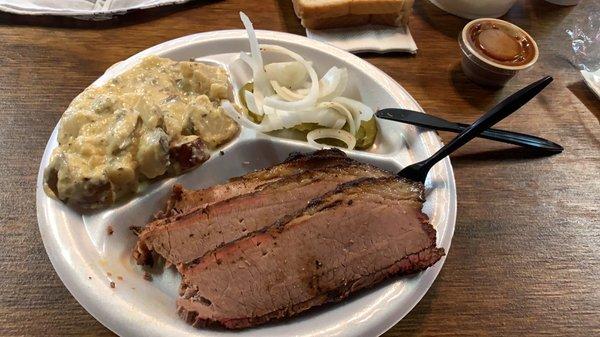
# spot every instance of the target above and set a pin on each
(159, 118)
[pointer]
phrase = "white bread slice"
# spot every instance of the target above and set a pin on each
(321, 8)
(351, 20)
(322, 14)
(348, 20)
(376, 6)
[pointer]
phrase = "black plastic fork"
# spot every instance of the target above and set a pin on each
(418, 171)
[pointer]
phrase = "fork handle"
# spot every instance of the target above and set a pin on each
(493, 116)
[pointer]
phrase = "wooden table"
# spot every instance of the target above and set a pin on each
(525, 258)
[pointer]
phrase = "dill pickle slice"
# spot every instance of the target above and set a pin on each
(306, 127)
(366, 134)
(332, 142)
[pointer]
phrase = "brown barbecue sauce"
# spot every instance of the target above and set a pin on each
(501, 44)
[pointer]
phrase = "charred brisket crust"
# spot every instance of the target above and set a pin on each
(280, 224)
(170, 210)
(296, 159)
(369, 180)
(293, 156)
(142, 255)
(333, 152)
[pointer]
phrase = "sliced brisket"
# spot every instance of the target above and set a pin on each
(348, 239)
(183, 200)
(184, 238)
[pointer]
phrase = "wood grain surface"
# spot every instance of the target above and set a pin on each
(525, 258)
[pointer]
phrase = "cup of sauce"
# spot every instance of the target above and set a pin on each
(493, 51)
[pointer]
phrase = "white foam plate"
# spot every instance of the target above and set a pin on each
(82, 253)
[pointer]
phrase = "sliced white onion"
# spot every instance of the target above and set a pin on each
(285, 99)
(269, 110)
(254, 48)
(343, 111)
(324, 117)
(339, 123)
(285, 93)
(234, 114)
(279, 119)
(342, 135)
(311, 98)
(274, 119)
(288, 74)
(252, 103)
(261, 85)
(362, 109)
(333, 83)
(249, 61)
(272, 122)
(302, 91)
(289, 119)
(353, 112)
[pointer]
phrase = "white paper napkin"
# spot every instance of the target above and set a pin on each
(81, 9)
(368, 38)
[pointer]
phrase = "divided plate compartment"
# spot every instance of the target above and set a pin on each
(87, 259)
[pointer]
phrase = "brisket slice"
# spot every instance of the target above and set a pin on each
(348, 239)
(182, 200)
(191, 235)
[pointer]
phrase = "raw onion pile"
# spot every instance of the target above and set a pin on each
(290, 94)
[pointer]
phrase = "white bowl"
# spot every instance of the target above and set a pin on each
(475, 9)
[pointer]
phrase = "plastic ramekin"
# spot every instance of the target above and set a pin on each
(481, 69)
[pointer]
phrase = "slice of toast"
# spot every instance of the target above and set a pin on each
(322, 14)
